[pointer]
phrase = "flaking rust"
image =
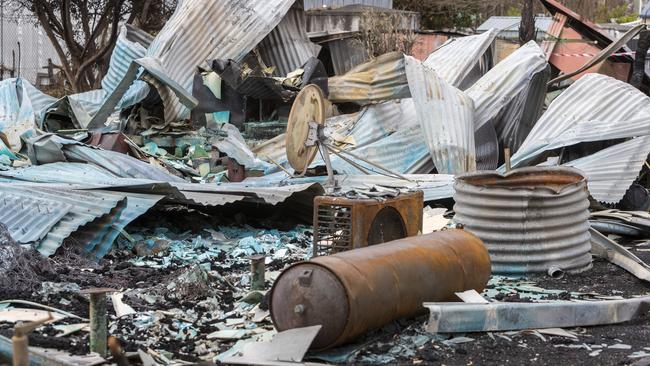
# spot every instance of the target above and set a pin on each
(359, 290)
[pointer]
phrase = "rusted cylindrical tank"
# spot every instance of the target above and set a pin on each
(352, 292)
(530, 219)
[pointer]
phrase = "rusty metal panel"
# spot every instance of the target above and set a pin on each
(594, 108)
(342, 223)
(382, 78)
(359, 290)
(463, 60)
(611, 171)
(446, 117)
(554, 32)
(530, 219)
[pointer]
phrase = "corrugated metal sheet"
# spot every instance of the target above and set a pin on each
(377, 121)
(369, 125)
(508, 26)
(203, 30)
(554, 32)
(319, 4)
(29, 220)
(594, 108)
(399, 152)
(131, 45)
(20, 114)
(502, 96)
(611, 171)
(85, 207)
(39, 100)
(86, 177)
(382, 78)
(530, 219)
(446, 116)
(346, 54)
(387, 134)
(136, 205)
(93, 219)
(434, 186)
(51, 148)
(64, 173)
(462, 61)
(487, 147)
(287, 47)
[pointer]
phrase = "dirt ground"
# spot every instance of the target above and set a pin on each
(513, 348)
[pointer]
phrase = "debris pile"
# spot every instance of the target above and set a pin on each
(256, 185)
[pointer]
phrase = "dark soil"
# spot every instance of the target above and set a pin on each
(604, 278)
(522, 348)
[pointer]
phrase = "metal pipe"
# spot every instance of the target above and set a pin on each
(98, 319)
(257, 272)
(98, 325)
(355, 291)
(555, 272)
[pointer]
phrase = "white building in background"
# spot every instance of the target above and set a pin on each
(24, 46)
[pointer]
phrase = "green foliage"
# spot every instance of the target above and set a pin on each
(513, 11)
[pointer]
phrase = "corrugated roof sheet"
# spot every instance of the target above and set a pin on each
(434, 186)
(203, 30)
(287, 47)
(17, 115)
(371, 124)
(87, 177)
(131, 44)
(85, 207)
(446, 117)
(611, 171)
(458, 60)
(400, 152)
(594, 108)
(51, 148)
(346, 54)
(319, 4)
(382, 78)
(511, 23)
(29, 219)
(502, 95)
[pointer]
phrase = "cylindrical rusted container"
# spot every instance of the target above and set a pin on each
(352, 292)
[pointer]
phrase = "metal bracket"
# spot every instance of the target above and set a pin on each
(313, 134)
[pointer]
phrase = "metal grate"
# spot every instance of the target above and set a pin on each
(333, 229)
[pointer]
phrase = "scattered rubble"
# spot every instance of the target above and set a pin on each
(245, 192)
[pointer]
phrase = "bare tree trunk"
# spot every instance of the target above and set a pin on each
(527, 25)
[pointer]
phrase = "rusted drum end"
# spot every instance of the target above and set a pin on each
(352, 292)
(310, 294)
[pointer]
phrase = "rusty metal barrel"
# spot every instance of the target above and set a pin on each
(352, 292)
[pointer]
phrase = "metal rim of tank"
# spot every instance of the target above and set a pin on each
(525, 178)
